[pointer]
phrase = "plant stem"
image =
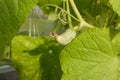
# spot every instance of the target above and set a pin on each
(90, 17)
(76, 10)
(68, 10)
(58, 27)
(79, 15)
(112, 18)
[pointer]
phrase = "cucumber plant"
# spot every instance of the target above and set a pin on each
(89, 31)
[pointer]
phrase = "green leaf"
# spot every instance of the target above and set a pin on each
(93, 55)
(116, 5)
(36, 58)
(12, 15)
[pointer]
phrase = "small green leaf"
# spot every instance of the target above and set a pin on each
(93, 55)
(116, 5)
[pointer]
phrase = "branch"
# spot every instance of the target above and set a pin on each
(69, 17)
(79, 15)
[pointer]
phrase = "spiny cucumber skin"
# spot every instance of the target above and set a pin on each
(66, 37)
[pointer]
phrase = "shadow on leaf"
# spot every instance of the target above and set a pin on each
(49, 63)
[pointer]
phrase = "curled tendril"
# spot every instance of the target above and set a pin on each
(62, 18)
(61, 10)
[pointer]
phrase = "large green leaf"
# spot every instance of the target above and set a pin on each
(36, 58)
(116, 5)
(12, 15)
(93, 55)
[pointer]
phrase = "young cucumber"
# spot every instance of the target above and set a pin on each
(66, 37)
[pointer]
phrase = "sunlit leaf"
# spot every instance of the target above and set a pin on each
(116, 5)
(93, 55)
(36, 58)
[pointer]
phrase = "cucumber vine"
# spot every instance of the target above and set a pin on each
(64, 15)
(66, 9)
